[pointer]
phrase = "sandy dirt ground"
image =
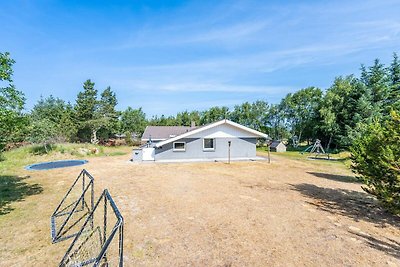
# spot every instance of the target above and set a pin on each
(287, 213)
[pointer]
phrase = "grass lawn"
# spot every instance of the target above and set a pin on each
(292, 212)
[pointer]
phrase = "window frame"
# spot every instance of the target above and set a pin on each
(207, 148)
(179, 149)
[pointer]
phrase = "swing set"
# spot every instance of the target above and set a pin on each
(317, 150)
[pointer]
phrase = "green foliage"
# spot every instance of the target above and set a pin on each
(275, 123)
(42, 149)
(6, 63)
(50, 108)
(252, 115)
(12, 121)
(214, 114)
(186, 118)
(106, 109)
(86, 102)
(59, 114)
(67, 127)
(337, 112)
(95, 117)
(300, 111)
(43, 132)
(163, 121)
(352, 103)
(337, 116)
(376, 160)
(394, 80)
(133, 121)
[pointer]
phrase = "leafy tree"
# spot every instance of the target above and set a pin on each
(94, 125)
(252, 115)
(275, 119)
(44, 132)
(50, 108)
(133, 121)
(214, 114)
(12, 121)
(334, 113)
(376, 160)
(301, 109)
(59, 113)
(195, 117)
(183, 118)
(186, 118)
(163, 121)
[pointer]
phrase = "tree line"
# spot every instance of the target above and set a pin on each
(357, 113)
(336, 116)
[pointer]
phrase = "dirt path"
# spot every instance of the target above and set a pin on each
(288, 213)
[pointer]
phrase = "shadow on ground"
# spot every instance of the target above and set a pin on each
(384, 244)
(14, 188)
(335, 177)
(358, 206)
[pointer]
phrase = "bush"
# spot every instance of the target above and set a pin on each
(42, 149)
(376, 161)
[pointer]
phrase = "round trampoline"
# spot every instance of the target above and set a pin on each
(55, 164)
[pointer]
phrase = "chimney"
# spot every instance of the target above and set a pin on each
(193, 124)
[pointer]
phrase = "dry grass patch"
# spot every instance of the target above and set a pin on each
(288, 213)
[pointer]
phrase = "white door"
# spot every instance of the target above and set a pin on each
(148, 153)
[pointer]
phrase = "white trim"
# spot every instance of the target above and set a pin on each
(179, 149)
(209, 149)
(212, 125)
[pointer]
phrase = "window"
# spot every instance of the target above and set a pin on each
(208, 144)
(179, 146)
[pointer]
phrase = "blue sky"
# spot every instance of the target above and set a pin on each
(170, 56)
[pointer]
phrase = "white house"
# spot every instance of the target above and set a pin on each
(216, 141)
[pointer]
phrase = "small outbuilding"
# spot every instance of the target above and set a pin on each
(278, 146)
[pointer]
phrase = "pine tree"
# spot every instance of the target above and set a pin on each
(86, 102)
(85, 110)
(67, 125)
(376, 161)
(107, 113)
(394, 74)
(107, 104)
(376, 79)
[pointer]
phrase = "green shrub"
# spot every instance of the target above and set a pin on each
(376, 161)
(42, 149)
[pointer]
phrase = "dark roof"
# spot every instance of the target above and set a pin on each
(164, 132)
(275, 143)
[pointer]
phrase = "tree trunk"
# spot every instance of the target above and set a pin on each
(94, 137)
(329, 143)
(299, 138)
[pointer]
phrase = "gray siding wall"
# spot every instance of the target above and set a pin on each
(240, 148)
(137, 154)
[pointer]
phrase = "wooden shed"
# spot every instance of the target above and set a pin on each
(278, 146)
